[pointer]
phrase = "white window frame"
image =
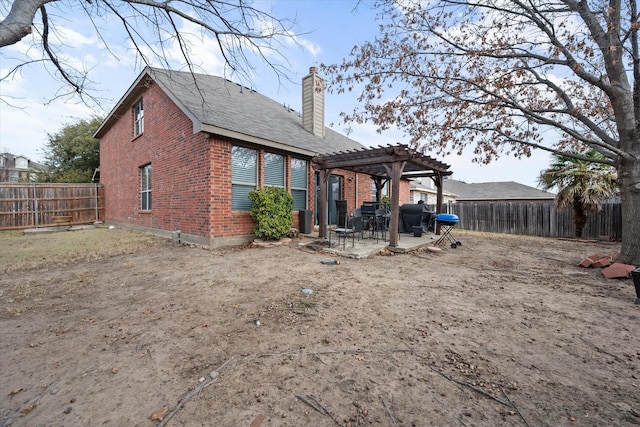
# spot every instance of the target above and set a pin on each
(138, 118)
(145, 190)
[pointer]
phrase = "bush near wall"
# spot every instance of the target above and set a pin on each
(272, 211)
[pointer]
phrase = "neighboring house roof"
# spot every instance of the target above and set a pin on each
(508, 190)
(218, 106)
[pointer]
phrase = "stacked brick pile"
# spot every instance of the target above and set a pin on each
(610, 269)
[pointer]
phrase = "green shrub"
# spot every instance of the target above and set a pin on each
(272, 210)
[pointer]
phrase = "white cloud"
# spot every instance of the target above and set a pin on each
(203, 51)
(72, 38)
(506, 168)
(24, 131)
(314, 49)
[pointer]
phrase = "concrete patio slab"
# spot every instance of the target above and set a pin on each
(366, 247)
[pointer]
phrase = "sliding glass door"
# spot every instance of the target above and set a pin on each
(334, 192)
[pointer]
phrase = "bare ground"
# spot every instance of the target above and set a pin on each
(111, 326)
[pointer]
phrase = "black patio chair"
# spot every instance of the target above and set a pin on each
(368, 212)
(358, 223)
(348, 230)
(381, 223)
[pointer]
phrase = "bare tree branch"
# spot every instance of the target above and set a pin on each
(52, 56)
(498, 77)
(243, 34)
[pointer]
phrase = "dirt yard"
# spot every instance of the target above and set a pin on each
(110, 327)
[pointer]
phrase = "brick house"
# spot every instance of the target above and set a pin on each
(182, 151)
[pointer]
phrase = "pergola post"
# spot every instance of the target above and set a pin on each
(396, 175)
(438, 179)
(322, 209)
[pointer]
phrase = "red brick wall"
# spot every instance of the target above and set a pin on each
(405, 194)
(224, 221)
(356, 188)
(179, 166)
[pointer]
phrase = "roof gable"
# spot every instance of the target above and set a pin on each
(219, 106)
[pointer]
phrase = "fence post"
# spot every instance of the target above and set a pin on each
(97, 210)
(35, 207)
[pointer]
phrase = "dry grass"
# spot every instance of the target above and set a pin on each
(19, 251)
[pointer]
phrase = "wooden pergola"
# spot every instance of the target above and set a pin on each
(383, 164)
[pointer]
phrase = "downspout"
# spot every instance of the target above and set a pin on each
(439, 200)
(356, 189)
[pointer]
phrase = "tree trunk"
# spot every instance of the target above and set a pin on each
(629, 180)
(579, 218)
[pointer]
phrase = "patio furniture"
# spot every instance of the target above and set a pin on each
(350, 229)
(341, 212)
(358, 224)
(381, 223)
(368, 212)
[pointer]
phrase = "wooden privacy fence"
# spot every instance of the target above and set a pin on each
(33, 205)
(536, 219)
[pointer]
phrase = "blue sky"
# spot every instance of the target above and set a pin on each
(325, 32)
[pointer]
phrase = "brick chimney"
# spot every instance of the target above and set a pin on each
(313, 103)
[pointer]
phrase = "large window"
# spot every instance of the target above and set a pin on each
(244, 177)
(145, 188)
(274, 170)
(299, 183)
(138, 118)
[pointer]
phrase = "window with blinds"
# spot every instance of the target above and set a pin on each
(274, 170)
(299, 182)
(244, 177)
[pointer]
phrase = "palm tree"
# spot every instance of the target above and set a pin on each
(582, 183)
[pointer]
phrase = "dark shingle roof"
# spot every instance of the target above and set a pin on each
(215, 101)
(508, 190)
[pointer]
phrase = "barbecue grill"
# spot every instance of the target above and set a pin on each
(447, 223)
